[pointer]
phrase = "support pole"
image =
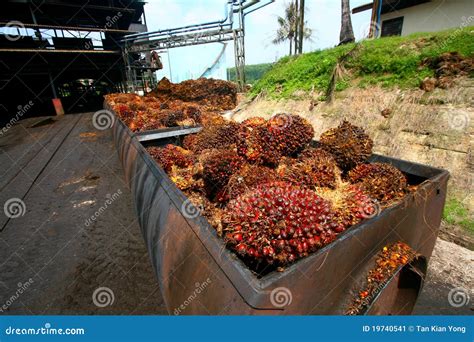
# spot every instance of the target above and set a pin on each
(53, 88)
(239, 50)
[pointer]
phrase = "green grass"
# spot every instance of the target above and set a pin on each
(252, 72)
(389, 62)
(456, 213)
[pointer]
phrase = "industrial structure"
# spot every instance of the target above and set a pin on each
(64, 50)
(64, 55)
(231, 27)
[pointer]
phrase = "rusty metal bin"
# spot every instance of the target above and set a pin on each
(198, 275)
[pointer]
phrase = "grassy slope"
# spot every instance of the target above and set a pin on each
(455, 212)
(392, 61)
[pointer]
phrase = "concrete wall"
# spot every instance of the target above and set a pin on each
(436, 15)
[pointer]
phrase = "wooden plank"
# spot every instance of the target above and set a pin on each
(19, 177)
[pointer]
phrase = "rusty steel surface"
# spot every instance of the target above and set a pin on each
(198, 275)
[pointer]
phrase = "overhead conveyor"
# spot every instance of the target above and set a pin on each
(231, 27)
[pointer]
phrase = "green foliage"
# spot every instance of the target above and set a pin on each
(456, 213)
(252, 72)
(389, 62)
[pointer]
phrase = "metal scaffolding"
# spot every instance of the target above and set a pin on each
(232, 27)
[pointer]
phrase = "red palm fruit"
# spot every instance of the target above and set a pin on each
(248, 177)
(274, 221)
(282, 135)
(171, 155)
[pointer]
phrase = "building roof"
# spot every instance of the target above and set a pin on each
(76, 13)
(390, 5)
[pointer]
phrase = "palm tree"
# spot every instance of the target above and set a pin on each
(290, 27)
(347, 34)
(301, 26)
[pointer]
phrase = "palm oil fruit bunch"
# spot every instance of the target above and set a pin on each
(212, 119)
(218, 167)
(190, 141)
(247, 142)
(124, 112)
(282, 135)
(137, 123)
(351, 204)
(193, 113)
(314, 167)
(349, 144)
(248, 177)
(253, 122)
(137, 106)
(278, 223)
(170, 118)
(295, 131)
(186, 178)
(214, 137)
(149, 125)
(207, 209)
(170, 156)
(121, 98)
(381, 181)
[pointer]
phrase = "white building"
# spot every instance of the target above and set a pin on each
(403, 17)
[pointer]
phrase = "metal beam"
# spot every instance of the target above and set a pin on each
(210, 32)
(61, 51)
(72, 28)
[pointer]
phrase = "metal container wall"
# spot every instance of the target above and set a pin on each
(198, 275)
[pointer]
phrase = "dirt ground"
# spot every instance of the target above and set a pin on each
(451, 267)
(65, 172)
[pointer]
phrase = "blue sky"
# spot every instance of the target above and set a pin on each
(323, 17)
